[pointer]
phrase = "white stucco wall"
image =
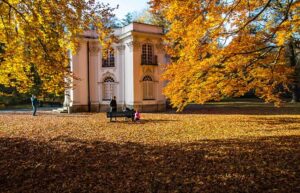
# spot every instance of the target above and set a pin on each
(79, 69)
(143, 70)
(94, 71)
(127, 72)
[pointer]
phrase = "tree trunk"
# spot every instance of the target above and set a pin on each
(293, 62)
(295, 95)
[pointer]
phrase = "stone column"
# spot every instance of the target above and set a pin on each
(135, 47)
(94, 58)
(121, 66)
(68, 81)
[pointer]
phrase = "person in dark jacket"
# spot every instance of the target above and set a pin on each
(34, 103)
(113, 105)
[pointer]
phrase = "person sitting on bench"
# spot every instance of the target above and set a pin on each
(137, 115)
(126, 114)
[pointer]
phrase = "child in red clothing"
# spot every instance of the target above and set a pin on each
(137, 115)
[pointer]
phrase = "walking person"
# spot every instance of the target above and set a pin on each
(113, 104)
(34, 103)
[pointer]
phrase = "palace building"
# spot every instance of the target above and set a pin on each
(131, 71)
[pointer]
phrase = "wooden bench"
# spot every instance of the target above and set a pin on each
(126, 114)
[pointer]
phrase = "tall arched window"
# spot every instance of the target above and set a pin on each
(108, 88)
(147, 54)
(148, 88)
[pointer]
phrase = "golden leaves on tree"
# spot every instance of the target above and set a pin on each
(38, 37)
(228, 48)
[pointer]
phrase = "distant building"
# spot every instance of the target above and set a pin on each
(131, 71)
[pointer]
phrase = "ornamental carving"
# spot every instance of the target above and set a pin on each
(121, 48)
(159, 47)
(94, 48)
(108, 74)
(148, 41)
(134, 45)
(148, 70)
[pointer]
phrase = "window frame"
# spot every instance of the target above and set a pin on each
(147, 53)
(108, 61)
(148, 88)
(108, 89)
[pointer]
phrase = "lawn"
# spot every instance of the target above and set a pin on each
(211, 149)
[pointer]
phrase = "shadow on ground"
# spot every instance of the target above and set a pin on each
(240, 109)
(70, 165)
(142, 121)
(276, 121)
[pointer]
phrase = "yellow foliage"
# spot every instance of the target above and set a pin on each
(218, 148)
(37, 36)
(227, 48)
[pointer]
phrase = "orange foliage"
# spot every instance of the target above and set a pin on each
(228, 48)
(36, 37)
(235, 150)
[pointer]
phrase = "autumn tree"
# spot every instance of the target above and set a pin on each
(225, 48)
(126, 20)
(149, 16)
(146, 16)
(37, 37)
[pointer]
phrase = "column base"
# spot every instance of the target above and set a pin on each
(84, 108)
(106, 108)
(149, 107)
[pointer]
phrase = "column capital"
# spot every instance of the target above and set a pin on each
(94, 48)
(134, 45)
(121, 48)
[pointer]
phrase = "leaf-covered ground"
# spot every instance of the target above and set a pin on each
(205, 150)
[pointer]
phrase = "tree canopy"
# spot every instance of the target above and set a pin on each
(37, 36)
(144, 16)
(222, 48)
(154, 18)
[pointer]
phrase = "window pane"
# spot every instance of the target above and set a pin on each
(109, 59)
(148, 88)
(147, 54)
(108, 88)
(145, 90)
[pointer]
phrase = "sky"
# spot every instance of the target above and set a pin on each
(126, 6)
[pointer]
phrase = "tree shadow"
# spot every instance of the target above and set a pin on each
(270, 164)
(273, 123)
(27, 113)
(277, 120)
(230, 109)
(142, 121)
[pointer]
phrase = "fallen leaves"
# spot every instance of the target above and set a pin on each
(164, 153)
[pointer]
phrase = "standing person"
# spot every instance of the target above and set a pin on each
(34, 103)
(113, 105)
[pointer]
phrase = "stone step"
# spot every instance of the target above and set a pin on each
(61, 110)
